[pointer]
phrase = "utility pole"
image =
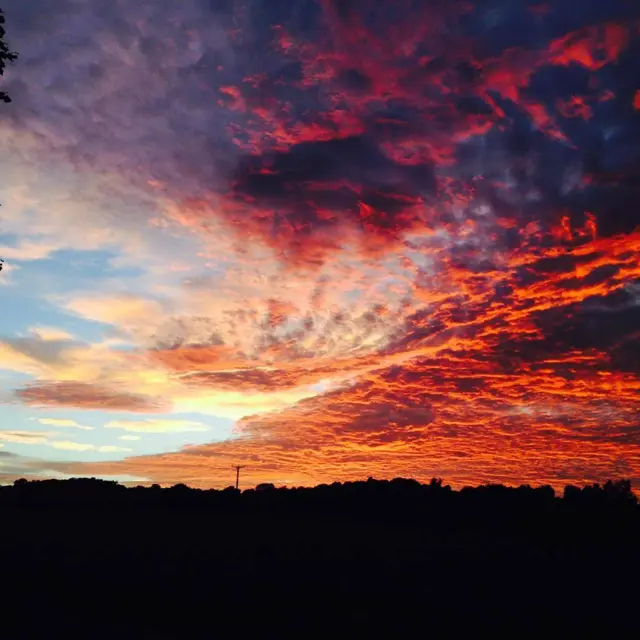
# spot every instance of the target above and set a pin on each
(237, 468)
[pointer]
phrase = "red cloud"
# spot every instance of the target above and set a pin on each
(357, 166)
(83, 395)
(593, 47)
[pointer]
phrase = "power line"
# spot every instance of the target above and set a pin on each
(237, 468)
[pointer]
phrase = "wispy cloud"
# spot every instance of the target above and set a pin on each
(82, 446)
(156, 426)
(62, 423)
(26, 251)
(48, 438)
(25, 437)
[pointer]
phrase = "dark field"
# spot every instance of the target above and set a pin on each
(390, 559)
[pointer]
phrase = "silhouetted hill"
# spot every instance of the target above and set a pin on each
(377, 558)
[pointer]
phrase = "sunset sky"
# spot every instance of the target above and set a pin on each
(322, 239)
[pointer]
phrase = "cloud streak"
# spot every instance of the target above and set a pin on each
(156, 426)
(63, 423)
(87, 396)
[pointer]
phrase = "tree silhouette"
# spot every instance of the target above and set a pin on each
(6, 55)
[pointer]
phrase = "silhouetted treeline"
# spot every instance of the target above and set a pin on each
(375, 559)
(374, 499)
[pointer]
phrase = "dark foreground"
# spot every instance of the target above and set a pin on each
(372, 559)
